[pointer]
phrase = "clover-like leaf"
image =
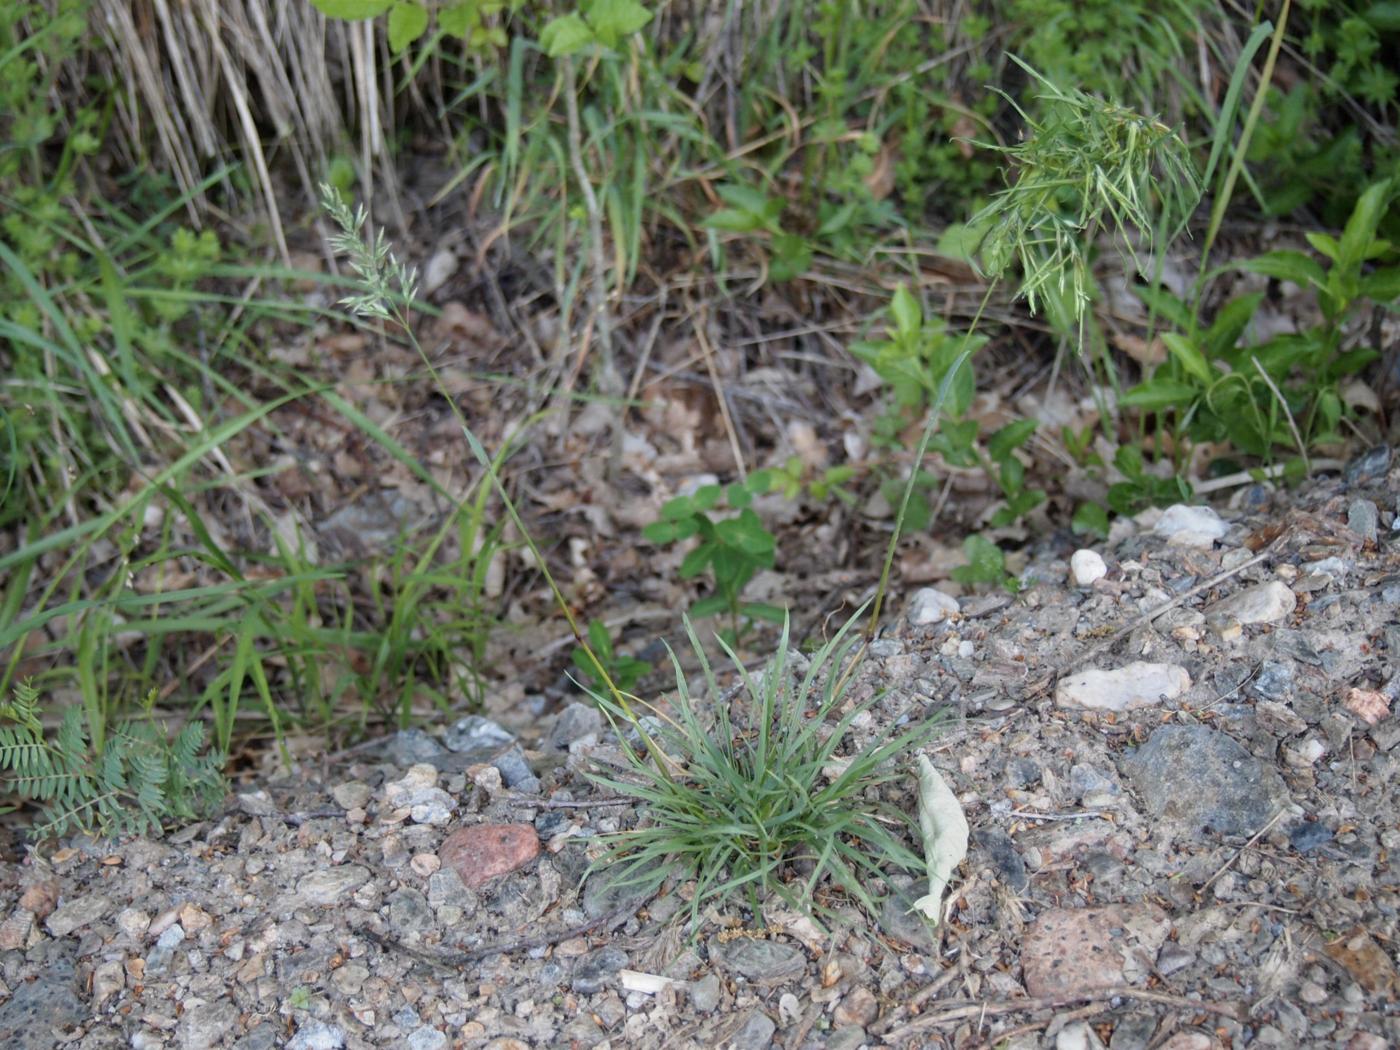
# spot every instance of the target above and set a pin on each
(565, 35)
(352, 10)
(407, 22)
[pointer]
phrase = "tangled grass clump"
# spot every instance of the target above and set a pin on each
(741, 799)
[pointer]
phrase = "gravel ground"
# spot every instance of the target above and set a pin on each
(1177, 756)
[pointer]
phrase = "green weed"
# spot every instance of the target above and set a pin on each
(732, 549)
(1219, 385)
(626, 671)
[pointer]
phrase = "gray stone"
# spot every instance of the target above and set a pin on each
(704, 993)
(846, 1039)
(479, 739)
(30, 1016)
(1363, 518)
(159, 957)
(1370, 466)
(763, 962)
(409, 911)
(574, 723)
(353, 794)
(1022, 773)
(204, 1025)
(581, 1031)
(1133, 1032)
(257, 803)
(756, 1033)
(446, 888)
(317, 1035)
(1086, 780)
(263, 1037)
(1010, 866)
(1265, 603)
(601, 895)
(418, 793)
(930, 605)
(516, 772)
(75, 914)
(1174, 957)
(411, 746)
(1087, 566)
(1205, 781)
(426, 1038)
(591, 972)
(329, 885)
(1274, 680)
(900, 921)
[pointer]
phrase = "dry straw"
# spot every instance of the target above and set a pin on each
(214, 79)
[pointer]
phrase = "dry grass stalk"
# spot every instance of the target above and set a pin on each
(210, 77)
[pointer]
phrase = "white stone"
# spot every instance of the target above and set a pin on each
(1264, 603)
(1186, 526)
(439, 270)
(930, 605)
(1086, 566)
(1136, 685)
(417, 792)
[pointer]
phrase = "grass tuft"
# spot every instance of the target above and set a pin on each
(764, 786)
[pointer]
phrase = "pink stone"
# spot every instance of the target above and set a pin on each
(1070, 951)
(481, 852)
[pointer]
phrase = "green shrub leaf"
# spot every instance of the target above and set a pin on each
(565, 35)
(407, 22)
(352, 10)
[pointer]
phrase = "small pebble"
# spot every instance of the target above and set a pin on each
(930, 605)
(1086, 566)
(1364, 519)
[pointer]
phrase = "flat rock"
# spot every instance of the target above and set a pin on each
(1067, 952)
(1264, 603)
(591, 973)
(756, 1033)
(76, 914)
(899, 919)
(477, 738)
(1186, 526)
(762, 962)
(482, 852)
(206, 1025)
(1122, 689)
(317, 1035)
(1200, 778)
(329, 885)
(1369, 466)
(30, 1016)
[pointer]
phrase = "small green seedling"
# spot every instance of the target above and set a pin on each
(985, 564)
(626, 671)
(748, 210)
(1142, 489)
(732, 549)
